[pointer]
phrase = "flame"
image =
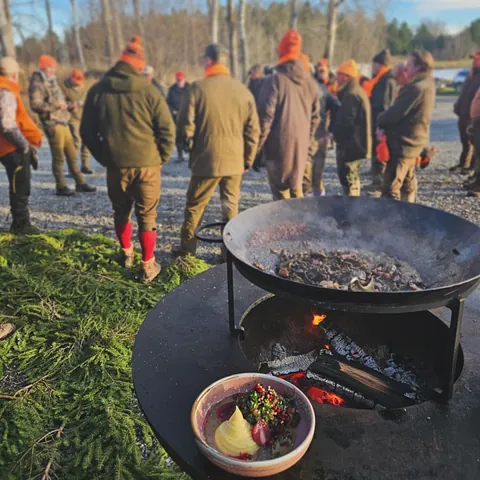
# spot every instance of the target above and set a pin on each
(322, 396)
(327, 347)
(318, 319)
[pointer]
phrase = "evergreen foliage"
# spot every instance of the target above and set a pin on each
(66, 392)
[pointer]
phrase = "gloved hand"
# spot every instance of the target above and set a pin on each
(33, 158)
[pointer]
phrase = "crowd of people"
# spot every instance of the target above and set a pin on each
(285, 121)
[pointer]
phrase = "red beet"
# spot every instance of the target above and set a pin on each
(226, 411)
(261, 433)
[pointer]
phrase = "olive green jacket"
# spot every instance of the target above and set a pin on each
(75, 97)
(407, 121)
(219, 115)
(126, 121)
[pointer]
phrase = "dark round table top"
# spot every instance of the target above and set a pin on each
(184, 345)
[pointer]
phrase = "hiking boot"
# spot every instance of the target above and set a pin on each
(65, 192)
(455, 169)
(86, 170)
(85, 188)
(150, 270)
(468, 171)
(25, 228)
(474, 192)
(128, 257)
(6, 329)
(178, 251)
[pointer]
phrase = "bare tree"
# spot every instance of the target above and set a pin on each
(107, 27)
(332, 16)
(138, 17)
(117, 25)
(213, 14)
(243, 38)
(293, 13)
(51, 38)
(7, 46)
(232, 37)
(76, 28)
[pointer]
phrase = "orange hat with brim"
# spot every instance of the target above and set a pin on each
(349, 68)
(46, 61)
(78, 76)
(134, 54)
(290, 46)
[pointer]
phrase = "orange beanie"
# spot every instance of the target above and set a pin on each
(290, 46)
(46, 61)
(134, 54)
(323, 63)
(349, 68)
(78, 76)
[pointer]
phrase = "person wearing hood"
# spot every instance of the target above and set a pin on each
(127, 126)
(18, 137)
(219, 124)
(289, 111)
(75, 93)
(383, 88)
(352, 128)
(462, 111)
(406, 125)
(329, 106)
(174, 99)
(48, 101)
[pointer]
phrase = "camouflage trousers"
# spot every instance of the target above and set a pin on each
(348, 175)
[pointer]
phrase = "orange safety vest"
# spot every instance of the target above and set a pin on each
(26, 125)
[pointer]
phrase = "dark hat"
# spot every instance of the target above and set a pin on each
(216, 52)
(383, 58)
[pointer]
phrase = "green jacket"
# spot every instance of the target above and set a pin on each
(75, 96)
(218, 113)
(353, 123)
(126, 121)
(407, 121)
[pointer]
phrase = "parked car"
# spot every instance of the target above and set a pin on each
(460, 78)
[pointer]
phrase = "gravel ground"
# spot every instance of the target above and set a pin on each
(93, 213)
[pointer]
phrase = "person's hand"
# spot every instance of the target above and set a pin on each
(63, 106)
(380, 134)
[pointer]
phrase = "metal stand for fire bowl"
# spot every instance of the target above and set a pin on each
(185, 344)
(455, 306)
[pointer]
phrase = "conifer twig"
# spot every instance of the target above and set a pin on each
(46, 475)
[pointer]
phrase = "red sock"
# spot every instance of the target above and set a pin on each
(124, 234)
(148, 240)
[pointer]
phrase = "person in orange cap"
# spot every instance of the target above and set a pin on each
(289, 111)
(18, 137)
(462, 109)
(352, 128)
(127, 126)
(48, 101)
(75, 93)
(174, 99)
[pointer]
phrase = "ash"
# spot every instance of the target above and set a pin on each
(357, 270)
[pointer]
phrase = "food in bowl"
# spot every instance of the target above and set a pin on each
(256, 425)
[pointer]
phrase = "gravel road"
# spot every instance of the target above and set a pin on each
(92, 213)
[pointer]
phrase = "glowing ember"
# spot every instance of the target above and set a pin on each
(314, 394)
(318, 319)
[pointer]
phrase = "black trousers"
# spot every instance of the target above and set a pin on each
(19, 176)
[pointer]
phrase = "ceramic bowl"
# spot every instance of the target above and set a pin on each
(242, 383)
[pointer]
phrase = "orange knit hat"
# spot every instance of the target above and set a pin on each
(46, 61)
(290, 46)
(349, 68)
(180, 76)
(134, 54)
(323, 62)
(77, 76)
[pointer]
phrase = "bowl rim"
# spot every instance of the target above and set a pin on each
(261, 463)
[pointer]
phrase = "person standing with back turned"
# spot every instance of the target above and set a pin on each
(219, 124)
(289, 111)
(128, 128)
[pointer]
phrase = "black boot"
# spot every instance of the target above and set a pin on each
(85, 188)
(65, 192)
(86, 171)
(22, 228)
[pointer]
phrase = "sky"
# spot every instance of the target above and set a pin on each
(455, 14)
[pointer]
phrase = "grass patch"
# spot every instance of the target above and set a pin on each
(66, 395)
(447, 92)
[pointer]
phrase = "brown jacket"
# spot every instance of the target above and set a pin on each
(218, 113)
(469, 89)
(75, 96)
(289, 110)
(353, 123)
(407, 121)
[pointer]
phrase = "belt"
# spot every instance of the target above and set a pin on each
(65, 124)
